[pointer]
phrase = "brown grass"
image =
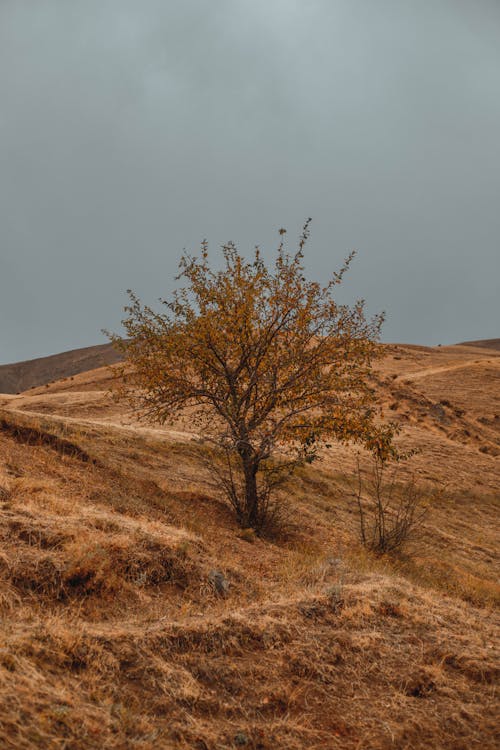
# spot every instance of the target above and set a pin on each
(112, 635)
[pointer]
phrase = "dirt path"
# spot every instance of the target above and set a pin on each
(450, 368)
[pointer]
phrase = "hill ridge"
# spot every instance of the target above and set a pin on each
(16, 377)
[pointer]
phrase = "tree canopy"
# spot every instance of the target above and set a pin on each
(269, 365)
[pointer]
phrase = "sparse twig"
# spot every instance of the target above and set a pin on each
(390, 514)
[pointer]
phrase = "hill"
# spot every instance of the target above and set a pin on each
(20, 376)
(486, 343)
(115, 636)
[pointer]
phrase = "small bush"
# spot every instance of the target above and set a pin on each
(390, 514)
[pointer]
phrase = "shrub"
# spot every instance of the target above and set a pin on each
(390, 513)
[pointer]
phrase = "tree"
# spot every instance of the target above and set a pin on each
(270, 366)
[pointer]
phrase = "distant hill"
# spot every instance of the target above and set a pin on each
(483, 343)
(20, 376)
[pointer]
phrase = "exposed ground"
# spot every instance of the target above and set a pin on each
(114, 634)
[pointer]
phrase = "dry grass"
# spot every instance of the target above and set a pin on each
(113, 636)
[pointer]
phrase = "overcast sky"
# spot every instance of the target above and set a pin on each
(131, 129)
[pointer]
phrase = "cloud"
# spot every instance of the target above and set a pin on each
(131, 130)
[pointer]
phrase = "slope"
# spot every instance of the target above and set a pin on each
(20, 376)
(115, 634)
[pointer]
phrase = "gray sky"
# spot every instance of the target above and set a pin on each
(131, 129)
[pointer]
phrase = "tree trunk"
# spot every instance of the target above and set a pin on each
(250, 517)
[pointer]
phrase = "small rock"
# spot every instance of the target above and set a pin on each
(219, 582)
(241, 739)
(437, 411)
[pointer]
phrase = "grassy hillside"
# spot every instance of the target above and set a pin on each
(487, 343)
(116, 634)
(20, 376)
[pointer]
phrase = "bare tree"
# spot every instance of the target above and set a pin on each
(390, 513)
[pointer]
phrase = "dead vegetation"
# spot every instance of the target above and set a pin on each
(34, 435)
(114, 636)
(390, 514)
